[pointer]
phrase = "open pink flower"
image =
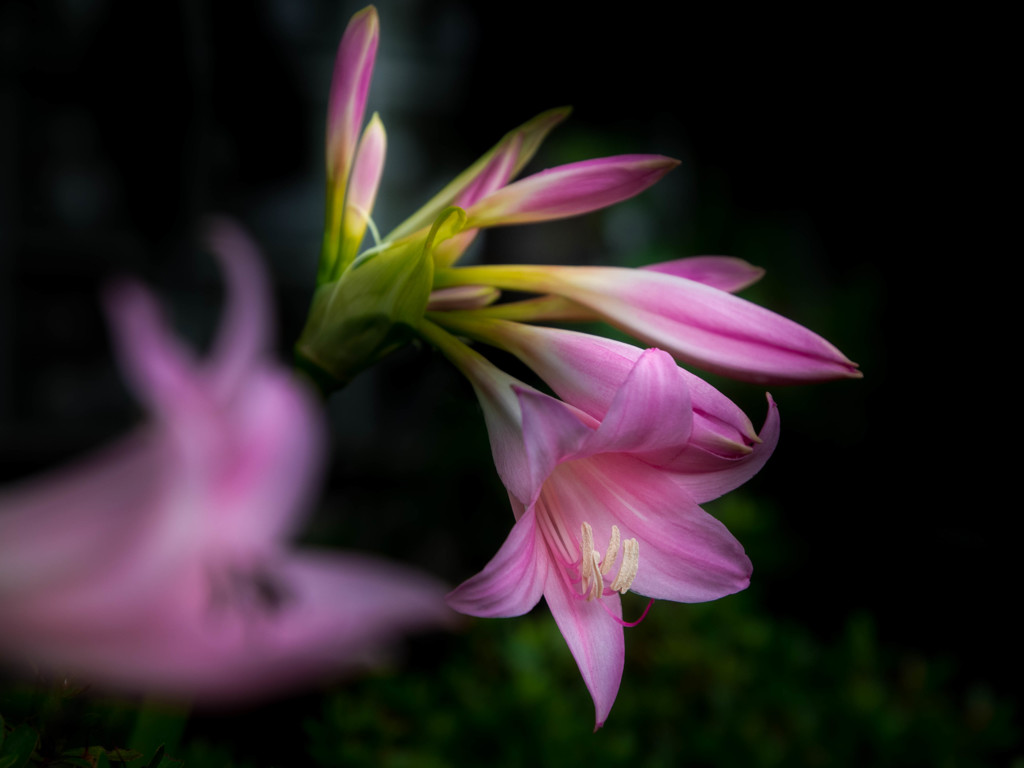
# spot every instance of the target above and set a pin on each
(161, 563)
(598, 512)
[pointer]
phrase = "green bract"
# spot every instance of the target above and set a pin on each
(369, 311)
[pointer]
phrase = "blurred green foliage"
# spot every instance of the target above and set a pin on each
(717, 684)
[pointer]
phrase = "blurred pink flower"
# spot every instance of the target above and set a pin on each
(604, 503)
(161, 563)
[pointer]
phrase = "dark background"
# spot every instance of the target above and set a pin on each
(837, 151)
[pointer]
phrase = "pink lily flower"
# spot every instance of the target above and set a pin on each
(570, 190)
(696, 322)
(598, 510)
(162, 564)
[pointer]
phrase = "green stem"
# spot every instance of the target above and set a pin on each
(531, 278)
(473, 324)
(469, 362)
(321, 382)
(493, 386)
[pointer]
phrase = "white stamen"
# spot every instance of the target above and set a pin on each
(630, 565)
(597, 587)
(612, 551)
(586, 561)
(593, 568)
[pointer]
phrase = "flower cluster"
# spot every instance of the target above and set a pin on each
(164, 562)
(605, 480)
(367, 304)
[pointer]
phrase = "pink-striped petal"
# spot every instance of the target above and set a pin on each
(569, 190)
(594, 638)
(490, 172)
(587, 372)
(512, 582)
(367, 169)
(650, 411)
(706, 327)
(556, 431)
(350, 85)
(706, 476)
(727, 273)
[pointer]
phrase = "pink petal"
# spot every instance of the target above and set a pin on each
(569, 190)
(161, 371)
(719, 425)
(584, 370)
(334, 613)
(553, 432)
(512, 582)
(707, 477)
(264, 483)
(705, 326)
(245, 333)
(587, 371)
(650, 411)
(503, 416)
(350, 85)
(55, 527)
(692, 558)
(490, 172)
(727, 273)
(594, 638)
(367, 169)
(496, 173)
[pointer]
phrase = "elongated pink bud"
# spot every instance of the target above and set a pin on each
(707, 327)
(367, 169)
(353, 69)
(697, 324)
(490, 172)
(570, 190)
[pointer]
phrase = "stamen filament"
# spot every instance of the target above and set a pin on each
(586, 558)
(597, 587)
(612, 551)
